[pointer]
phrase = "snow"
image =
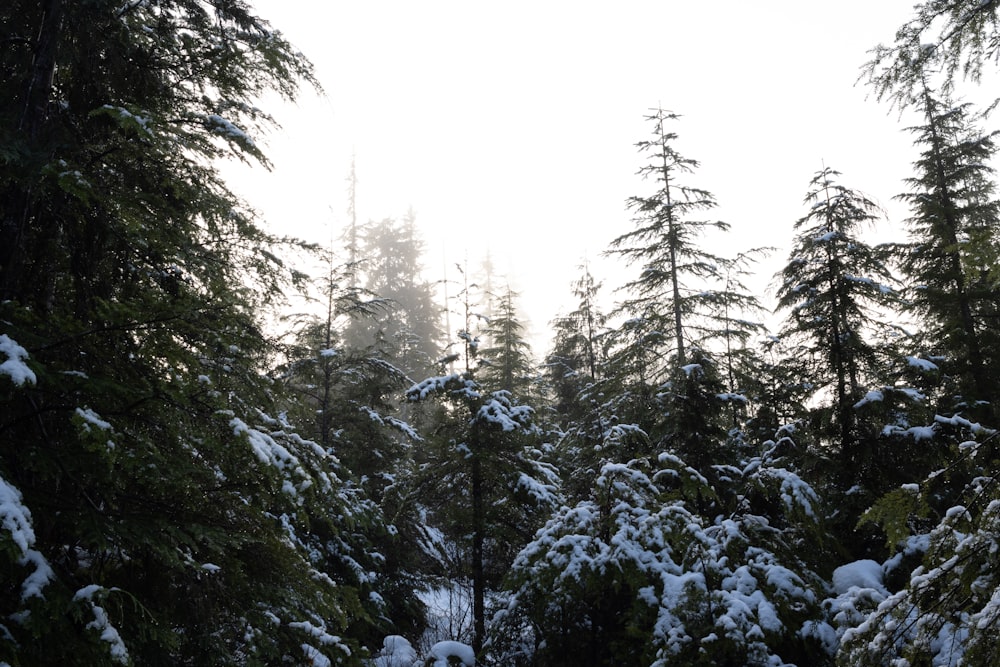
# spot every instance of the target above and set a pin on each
(91, 418)
(919, 433)
(432, 385)
(15, 518)
(692, 368)
(318, 633)
(873, 396)
(396, 652)
(497, 410)
(101, 623)
(267, 449)
(14, 366)
(921, 364)
(859, 574)
(316, 659)
(220, 125)
(448, 649)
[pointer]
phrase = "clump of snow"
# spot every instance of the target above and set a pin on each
(396, 652)
(91, 418)
(692, 368)
(859, 574)
(226, 128)
(319, 634)
(14, 366)
(441, 651)
(101, 623)
(15, 518)
(316, 659)
(872, 396)
(922, 365)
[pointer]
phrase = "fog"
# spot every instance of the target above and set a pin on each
(510, 129)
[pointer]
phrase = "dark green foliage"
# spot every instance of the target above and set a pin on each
(485, 479)
(668, 296)
(181, 518)
(505, 358)
(951, 257)
(955, 37)
(833, 286)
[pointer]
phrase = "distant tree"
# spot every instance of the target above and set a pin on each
(669, 293)
(832, 287)
(505, 356)
(407, 325)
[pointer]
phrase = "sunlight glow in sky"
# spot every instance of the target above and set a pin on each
(510, 127)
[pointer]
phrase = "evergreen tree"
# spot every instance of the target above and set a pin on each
(577, 354)
(955, 37)
(175, 516)
(831, 286)
(485, 476)
(505, 358)
(574, 370)
(667, 297)
(407, 324)
(635, 574)
(951, 257)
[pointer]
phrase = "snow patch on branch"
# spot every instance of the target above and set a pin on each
(15, 519)
(14, 367)
(101, 623)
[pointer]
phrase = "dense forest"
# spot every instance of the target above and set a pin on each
(192, 472)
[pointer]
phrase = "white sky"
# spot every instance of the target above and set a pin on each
(511, 126)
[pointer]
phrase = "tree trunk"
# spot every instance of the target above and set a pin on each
(478, 574)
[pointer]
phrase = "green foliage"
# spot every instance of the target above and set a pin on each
(948, 611)
(668, 296)
(635, 575)
(833, 287)
(894, 513)
(952, 252)
(174, 519)
(956, 37)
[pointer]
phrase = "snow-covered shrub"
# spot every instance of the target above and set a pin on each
(634, 575)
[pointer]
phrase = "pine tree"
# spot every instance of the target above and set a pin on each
(667, 296)
(505, 357)
(951, 256)
(168, 497)
(406, 324)
(956, 37)
(832, 286)
(485, 476)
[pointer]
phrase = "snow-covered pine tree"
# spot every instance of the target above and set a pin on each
(832, 288)
(168, 498)
(483, 476)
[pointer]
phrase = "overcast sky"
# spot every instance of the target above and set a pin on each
(511, 127)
